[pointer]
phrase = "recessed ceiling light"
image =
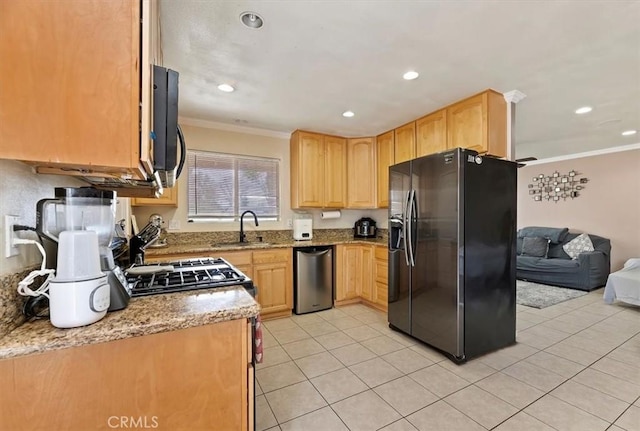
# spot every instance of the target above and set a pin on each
(629, 132)
(348, 114)
(226, 88)
(410, 75)
(584, 110)
(251, 19)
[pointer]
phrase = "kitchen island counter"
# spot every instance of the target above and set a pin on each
(144, 316)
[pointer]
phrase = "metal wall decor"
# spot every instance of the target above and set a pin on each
(556, 186)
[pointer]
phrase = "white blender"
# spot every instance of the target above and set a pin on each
(63, 224)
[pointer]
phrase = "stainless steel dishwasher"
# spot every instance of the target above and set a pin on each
(313, 279)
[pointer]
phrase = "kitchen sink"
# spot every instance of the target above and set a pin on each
(242, 244)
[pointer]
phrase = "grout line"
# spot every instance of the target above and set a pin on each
(537, 350)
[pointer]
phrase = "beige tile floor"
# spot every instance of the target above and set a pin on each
(576, 366)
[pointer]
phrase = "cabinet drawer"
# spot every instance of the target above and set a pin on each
(381, 271)
(382, 253)
(381, 293)
(270, 256)
(237, 258)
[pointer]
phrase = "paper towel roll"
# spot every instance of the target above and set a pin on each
(331, 214)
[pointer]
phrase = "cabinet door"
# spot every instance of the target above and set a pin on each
(335, 172)
(431, 133)
(274, 287)
(161, 378)
(169, 198)
(385, 158)
(467, 124)
(347, 271)
(479, 123)
(273, 276)
(70, 93)
(361, 183)
(307, 170)
(405, 142)
(366, 272)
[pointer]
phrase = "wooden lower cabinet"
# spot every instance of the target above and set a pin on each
(354, 273)
(273, 276)
(381, 277)
(272, 273)
(348, 273)
(195, 378)
(361, 275)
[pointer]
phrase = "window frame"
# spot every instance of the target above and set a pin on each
(236, 180)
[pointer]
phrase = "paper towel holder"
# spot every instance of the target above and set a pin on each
(331, 214)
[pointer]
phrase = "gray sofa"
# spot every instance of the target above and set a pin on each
(587, 272)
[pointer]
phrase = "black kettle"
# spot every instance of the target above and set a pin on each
(365, 228)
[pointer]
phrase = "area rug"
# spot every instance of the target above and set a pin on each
(542, 296)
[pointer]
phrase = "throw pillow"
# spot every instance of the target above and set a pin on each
(535, 246)
(580, 244)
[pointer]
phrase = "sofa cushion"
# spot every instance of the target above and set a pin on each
(580, 244)
(535, 246)
(555, 235)
(540, 264)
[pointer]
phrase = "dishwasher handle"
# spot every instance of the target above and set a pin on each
(315, 253)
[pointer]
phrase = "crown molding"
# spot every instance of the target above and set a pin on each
(585, 154)
(514, 96)
(194, 122)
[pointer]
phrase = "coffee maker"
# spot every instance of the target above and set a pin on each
(83, 208)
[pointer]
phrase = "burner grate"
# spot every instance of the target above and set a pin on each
(189, 274)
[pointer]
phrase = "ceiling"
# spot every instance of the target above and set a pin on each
(313, 60)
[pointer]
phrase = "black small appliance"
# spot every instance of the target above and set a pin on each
(365, 228)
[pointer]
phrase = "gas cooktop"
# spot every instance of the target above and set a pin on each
(189, 274)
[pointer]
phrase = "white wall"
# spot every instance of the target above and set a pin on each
(609, 205)
(20, 190)
(251, 142)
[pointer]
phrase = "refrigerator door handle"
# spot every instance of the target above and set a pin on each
(409, 228)
(414, 217)
(405, 224)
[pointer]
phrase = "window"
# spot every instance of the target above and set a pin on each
(223, 186)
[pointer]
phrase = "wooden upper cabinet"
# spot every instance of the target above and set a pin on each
(405, 142)
(335, 172)
(431, 133)
(70, 93)
(307, 169)
(318, 170)
(479, 123)
(169, 198)
(361, 174)
(384, 158)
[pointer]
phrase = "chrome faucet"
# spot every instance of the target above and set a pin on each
(255, 219)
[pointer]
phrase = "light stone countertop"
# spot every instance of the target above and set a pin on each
(212, 248)
(144, 315)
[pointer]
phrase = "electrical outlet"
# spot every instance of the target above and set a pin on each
(9, 234)
(174, 224)
(289, 222)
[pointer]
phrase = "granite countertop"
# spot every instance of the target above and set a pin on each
(212, 247)
(144, 315)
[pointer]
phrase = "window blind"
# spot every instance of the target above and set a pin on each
(222, 186)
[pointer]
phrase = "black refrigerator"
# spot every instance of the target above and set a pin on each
(452, 252)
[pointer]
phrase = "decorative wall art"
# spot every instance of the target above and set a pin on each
(556, 186)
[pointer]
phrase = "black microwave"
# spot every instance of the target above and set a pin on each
(166, 132)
